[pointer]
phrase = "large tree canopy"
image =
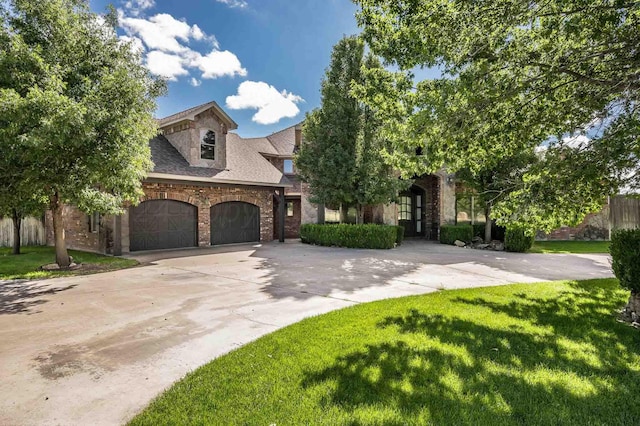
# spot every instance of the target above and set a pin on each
(83, 107)
(560, 76)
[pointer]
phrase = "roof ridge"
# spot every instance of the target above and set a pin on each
(186, 111)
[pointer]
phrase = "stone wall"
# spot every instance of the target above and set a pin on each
(187, 139)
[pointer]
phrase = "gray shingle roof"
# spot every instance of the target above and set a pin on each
(245, 165)
(284, 141)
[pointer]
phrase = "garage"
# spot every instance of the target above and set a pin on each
(235, 222)
(163, 224)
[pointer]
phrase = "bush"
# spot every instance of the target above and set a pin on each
(399, 234)
(478, 230)
(497, 232)
(450, 233)
(625, 254)
(347, 235)
(518, 240)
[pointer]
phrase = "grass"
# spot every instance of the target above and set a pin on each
(570, 247)
(26, 265)
(534, 354)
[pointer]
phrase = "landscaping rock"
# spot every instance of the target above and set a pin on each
(482, 246)
(477, 240)
(496, 245)
(459, 243)
(50, 267)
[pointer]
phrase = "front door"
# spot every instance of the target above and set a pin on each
(411, 212)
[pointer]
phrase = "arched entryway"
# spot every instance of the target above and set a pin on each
(235, 222)
(163, 224)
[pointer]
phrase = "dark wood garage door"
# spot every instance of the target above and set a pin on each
(235, 222)
(162, 224)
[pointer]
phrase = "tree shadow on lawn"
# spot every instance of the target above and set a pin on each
(561, 360)
(21, 297)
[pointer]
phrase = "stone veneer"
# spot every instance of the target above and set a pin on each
(187, 140)
(205, 196)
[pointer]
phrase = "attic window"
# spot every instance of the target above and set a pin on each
(208, 146)
(288, 166)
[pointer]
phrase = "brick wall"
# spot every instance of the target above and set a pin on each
(78, 236)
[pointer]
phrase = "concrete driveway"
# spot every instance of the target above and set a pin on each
(96, 349)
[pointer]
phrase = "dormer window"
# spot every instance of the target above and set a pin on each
(208, 145)
(288, 166)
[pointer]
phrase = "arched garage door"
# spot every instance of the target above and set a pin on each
(162, 224)
(235, 222)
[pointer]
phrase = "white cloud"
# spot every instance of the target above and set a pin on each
(195, 82)
(166, 65)
(576, 141)
(271, 104)
(217, 64)
(135, 7)
(136, 44)
(160, 32)
(240, 4)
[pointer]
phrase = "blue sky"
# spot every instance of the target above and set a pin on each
(265, 58)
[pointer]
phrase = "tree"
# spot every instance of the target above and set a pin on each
(341, 159)
(496, 181)
(516, 75)
(84, 138)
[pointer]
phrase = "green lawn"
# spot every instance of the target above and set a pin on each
(541, 354)
(26, 265)
(570, 247)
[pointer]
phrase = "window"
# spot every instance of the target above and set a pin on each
(288, 166)
(331, 216)
(94, 222)
(208, 146)
(404, 208)
(290, 208)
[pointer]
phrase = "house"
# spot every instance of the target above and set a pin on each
(209, 186)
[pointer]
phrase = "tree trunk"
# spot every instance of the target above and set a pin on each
(487, 224)
(17, 220)
(633, 307)
(62, 256)
(360, 214)
(343, 213)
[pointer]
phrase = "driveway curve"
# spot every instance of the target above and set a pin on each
(96, 349)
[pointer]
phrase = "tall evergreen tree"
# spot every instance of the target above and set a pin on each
(342, 156)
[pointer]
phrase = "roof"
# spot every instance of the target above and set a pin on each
(278, 144)
(245, 166)
(190, 114)
(284, 141)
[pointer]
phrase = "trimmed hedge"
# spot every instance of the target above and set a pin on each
(399, 234)
(450, 233)
(353, 236)
(518, 240)
(625, 254)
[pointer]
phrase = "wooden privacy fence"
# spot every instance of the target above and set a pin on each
(624, 212)
(31, 232)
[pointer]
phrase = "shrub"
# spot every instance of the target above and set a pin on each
(450, 233)
(399, 234)
(347, 235)
(625, 254)
(478, 230)
(497, 232)
(518, 240)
